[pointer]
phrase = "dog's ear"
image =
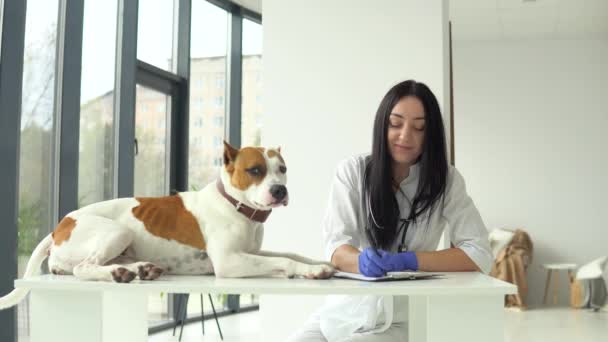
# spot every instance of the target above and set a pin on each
(229, 153)
(279, 149)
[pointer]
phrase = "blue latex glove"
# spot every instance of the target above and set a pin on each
(366, 266)
(395, 262)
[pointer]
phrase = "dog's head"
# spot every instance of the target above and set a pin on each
(257, 175)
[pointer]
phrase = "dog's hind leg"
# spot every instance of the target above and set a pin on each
(91, 244)
(117, 272)
(123, 268)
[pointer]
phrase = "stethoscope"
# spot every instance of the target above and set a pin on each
(404, 223)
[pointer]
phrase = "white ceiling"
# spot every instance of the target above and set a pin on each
(525, 19)
(518, 19)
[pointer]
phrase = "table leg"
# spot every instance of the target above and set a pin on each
(66, 316)
(456, 318)
(547, 286)
(125, 317)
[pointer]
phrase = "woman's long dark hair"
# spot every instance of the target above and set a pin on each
(378, 178)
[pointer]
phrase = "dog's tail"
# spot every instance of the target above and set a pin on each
(32, 269)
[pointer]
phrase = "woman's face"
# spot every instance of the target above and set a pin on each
(406, 130)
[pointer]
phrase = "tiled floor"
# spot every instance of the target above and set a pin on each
(542, 324)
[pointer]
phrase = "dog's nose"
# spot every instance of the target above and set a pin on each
(278, 191)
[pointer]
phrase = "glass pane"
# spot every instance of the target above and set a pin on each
(249, 299)
(155, 33)
(207, 92)
(151, 115)
(158, 309)
(96, 102)
(251, 108)
(35, 219)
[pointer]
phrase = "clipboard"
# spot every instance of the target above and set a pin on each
(402, 275)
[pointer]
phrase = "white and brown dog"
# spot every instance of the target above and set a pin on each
(217, 230)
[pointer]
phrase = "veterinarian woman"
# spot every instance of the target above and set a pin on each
(397, 201)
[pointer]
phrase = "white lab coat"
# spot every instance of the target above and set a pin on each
(344, 223)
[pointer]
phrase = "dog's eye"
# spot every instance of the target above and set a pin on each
(254, 171)
(283, 169)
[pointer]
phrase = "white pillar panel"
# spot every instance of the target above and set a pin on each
(327, 65)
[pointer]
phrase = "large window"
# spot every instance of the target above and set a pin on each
(208, 48)
(96, 102)
(251, 117)
(124, 43)
(35, 164)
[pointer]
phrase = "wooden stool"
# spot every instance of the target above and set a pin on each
(551, 268)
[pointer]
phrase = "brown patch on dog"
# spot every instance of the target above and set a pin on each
(273, 153)
(63, 231)
(168, 218)
(247, 158)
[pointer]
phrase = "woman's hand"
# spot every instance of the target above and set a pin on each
(367, 266)
(374, 264)
(394, 262)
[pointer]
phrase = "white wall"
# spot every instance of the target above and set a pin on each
(327, 65)
(531, 122)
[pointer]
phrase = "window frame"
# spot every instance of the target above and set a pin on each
(11, 81)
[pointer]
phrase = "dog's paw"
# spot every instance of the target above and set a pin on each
(322, 271)
(58, 271)
(123, 275)
(149, 271)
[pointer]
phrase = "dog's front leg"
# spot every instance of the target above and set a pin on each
(294, 257)
(242, 265)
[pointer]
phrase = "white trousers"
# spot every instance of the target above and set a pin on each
(311, 332)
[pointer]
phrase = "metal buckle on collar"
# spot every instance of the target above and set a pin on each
(252, 215)
(238, 205)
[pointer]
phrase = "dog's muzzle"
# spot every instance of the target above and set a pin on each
(279, 194)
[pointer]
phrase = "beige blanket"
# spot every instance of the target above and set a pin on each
(511, 265)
